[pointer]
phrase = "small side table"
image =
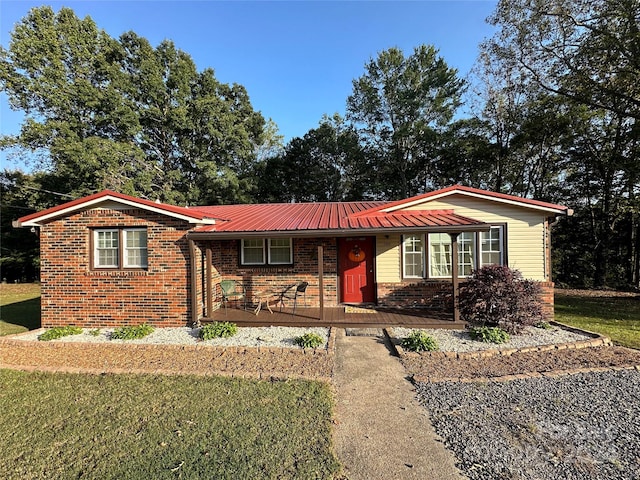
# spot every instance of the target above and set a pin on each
(263, 296)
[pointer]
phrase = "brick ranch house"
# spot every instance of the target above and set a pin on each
(110, 259)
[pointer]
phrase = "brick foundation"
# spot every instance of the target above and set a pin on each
(436, 295)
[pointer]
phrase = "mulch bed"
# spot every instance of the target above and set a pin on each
(250, 362)
(438, 369)
(574, 292)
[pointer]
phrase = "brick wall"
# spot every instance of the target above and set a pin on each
(547, 299)
(74, 294)
(226, 265)
(437, 295)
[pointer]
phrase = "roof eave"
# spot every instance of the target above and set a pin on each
(558, 209)
(48, 215)
(343, 232)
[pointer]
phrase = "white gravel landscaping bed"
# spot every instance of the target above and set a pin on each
(460, 340)
(246, 337)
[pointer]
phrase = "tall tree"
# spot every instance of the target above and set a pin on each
(585, 50)
(327, 164)
(58, 71)
(122, 114)
(399, 106)
(586, 53)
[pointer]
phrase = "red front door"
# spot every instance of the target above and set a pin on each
(356, 270)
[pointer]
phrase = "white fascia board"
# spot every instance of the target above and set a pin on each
(38, 221)
(476, 195)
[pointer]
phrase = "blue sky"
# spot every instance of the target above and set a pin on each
(297, 59)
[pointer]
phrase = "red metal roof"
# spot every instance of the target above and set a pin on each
(306, 217)
(298, 217)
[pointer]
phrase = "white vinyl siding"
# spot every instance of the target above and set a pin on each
(388, 258)
(524, 230)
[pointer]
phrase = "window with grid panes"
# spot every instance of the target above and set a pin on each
(413, 256)
(120, 248)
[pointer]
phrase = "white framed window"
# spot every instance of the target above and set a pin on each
(280, 251)
(439, 255)
(466, 253)
(120, 248)
(252, 252)
(106, 249)
(266, 251)
(135, 248)
(413, 256)
(492, 246)
(475, 249)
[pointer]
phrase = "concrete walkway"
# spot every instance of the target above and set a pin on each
(382, 431)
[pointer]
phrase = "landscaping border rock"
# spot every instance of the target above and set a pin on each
(596, 340)
(269, 363)
(484, 365)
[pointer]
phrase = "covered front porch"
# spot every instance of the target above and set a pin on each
(411, 304)
(340, 316)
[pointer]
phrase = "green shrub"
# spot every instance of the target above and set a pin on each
(95, 332)
(217, 330)
(131, 332)
(419, 341)
(543, 325)
(489, 334)
(58, 332)
(309, 340)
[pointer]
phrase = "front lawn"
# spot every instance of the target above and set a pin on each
(616, 317)
(19, 307)
(162, 427)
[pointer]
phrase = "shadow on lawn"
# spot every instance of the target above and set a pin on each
(25, 313)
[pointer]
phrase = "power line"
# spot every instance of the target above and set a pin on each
(48, 191)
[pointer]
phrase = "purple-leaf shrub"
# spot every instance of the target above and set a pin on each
(496, 295)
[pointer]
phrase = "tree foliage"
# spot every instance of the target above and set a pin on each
(585, 50)
(399, 105)
(579, 140)
(121, 114)
(327, 164)
(553, 106)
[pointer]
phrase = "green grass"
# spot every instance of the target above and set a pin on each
(616, 317)
(19, 308)
(145, 426)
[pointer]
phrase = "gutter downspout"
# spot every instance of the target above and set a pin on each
(194, 283)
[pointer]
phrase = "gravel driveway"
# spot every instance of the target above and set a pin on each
(584, 426)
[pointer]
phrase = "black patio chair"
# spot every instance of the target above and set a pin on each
(292, 292)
